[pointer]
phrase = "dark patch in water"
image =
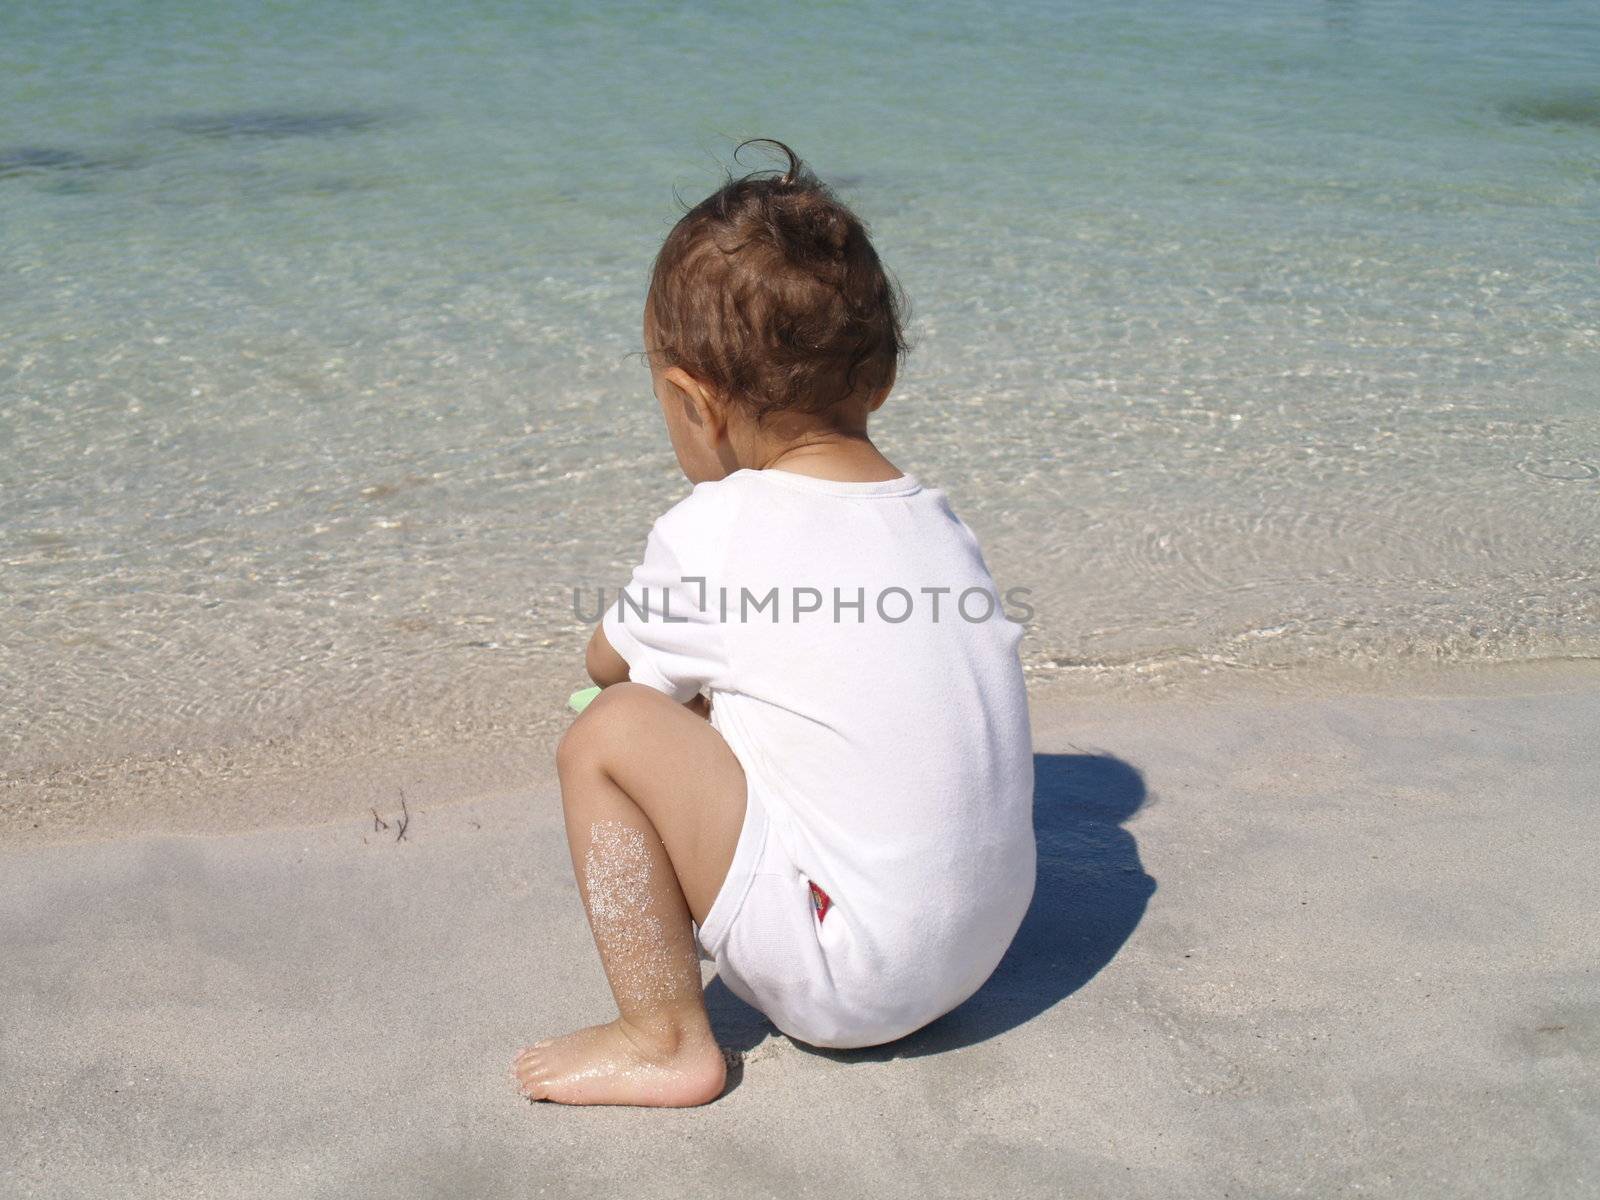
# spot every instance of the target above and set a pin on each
(37, 160)
(329, 185)
(1574, 107)
(274, 123)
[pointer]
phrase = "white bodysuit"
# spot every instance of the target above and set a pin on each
(862, 667)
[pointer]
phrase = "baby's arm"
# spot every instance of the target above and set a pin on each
(604, 664)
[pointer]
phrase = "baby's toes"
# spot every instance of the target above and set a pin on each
(534, 1053)
(532, 1088)
(531, 1073)
(527, 1061)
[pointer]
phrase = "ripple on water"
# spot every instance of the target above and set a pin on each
(54, 160)
(275, 122)
(1564, 469)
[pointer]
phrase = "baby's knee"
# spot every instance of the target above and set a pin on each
(606, 725)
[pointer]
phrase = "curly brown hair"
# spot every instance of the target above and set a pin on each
(770, 292)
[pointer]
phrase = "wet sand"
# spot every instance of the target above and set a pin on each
(1280, 946)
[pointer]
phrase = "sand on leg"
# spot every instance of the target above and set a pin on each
(654, 802)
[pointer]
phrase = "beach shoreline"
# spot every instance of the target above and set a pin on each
(241, 785)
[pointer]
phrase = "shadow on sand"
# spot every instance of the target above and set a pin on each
(1090, 896)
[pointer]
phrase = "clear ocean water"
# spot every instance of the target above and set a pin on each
(1253, 337)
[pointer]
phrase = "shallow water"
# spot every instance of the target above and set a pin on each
(1250, 337)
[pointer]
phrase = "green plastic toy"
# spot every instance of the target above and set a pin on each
(580, 699)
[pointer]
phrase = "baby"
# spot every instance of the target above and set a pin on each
(811, 761)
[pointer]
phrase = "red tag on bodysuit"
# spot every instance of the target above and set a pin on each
(820, 904)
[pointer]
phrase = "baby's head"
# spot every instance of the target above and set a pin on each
(770, 321)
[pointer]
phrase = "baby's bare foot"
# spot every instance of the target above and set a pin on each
(612, 1064)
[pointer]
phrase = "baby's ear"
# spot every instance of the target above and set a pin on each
(702, 405)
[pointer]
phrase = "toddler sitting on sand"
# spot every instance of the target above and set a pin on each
(849, 836)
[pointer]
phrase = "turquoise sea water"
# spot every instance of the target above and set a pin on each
(1252, 337)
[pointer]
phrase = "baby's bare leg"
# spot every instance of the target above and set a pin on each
(654, 803)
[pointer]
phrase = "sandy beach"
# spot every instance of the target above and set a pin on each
(1281, 946)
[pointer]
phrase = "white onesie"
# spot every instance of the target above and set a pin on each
(862, 667)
